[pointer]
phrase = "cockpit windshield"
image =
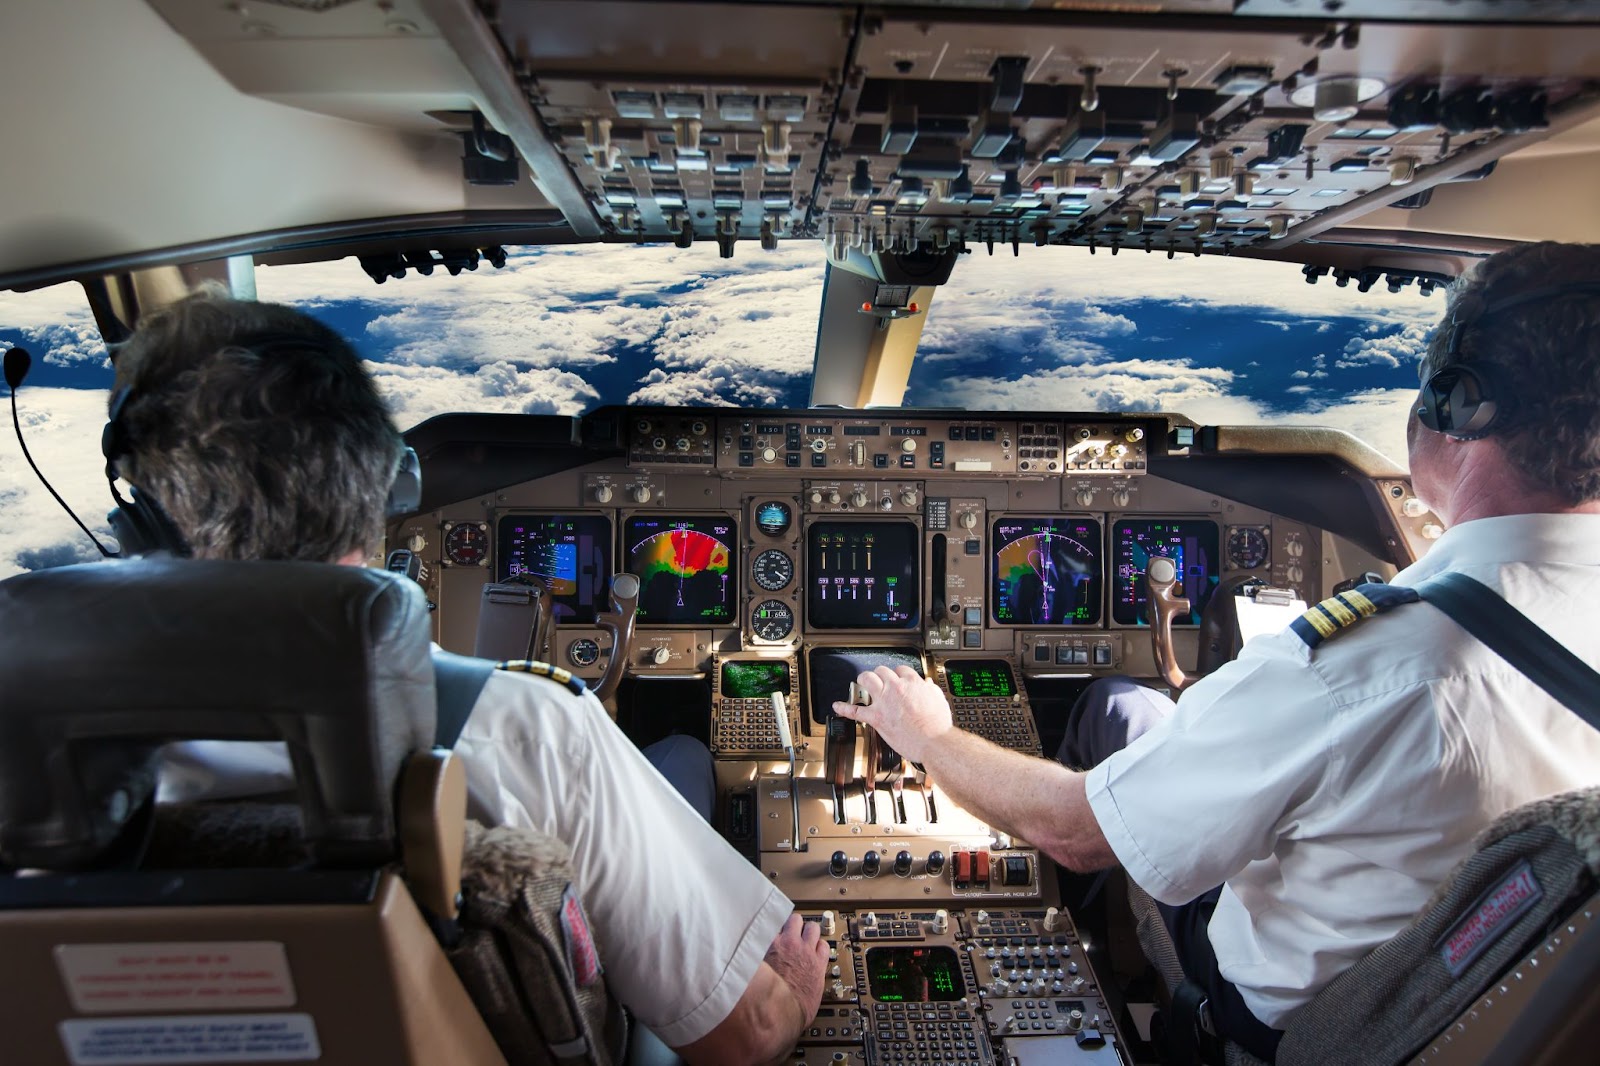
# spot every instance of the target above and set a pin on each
(564, 330)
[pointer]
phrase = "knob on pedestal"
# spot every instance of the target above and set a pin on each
(935, 862)
(871, 863)
(902, 864)
(838, 863)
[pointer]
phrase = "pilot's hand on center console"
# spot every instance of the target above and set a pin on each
(907, 710)
(799, 955)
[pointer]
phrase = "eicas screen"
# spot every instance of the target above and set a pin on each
(861, 575)
(1191, 544)
(829, 672)
(1045, 571)
(687, 568)
(571, 554)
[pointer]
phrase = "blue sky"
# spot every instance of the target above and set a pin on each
(562, 330)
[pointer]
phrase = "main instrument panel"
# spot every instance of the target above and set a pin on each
(780, 553)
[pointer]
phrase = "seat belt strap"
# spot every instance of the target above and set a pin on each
(1509, 633)
(457, 681)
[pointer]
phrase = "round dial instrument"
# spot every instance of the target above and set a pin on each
(466, 544)
(773, 518)
(583, 652)
(1247, 547)
(773, 570)
(772, 620)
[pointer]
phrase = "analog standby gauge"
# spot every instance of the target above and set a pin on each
(772, 620)
(1247, 547)
(773, 518)
(583, 652)
(773, 570)
(466, 544)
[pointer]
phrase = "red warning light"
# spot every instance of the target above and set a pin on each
(913, 308)
(867, 307)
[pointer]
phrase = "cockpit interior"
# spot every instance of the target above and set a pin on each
(725, 571)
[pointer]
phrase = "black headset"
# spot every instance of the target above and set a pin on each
(142, 525)
(1468, 400)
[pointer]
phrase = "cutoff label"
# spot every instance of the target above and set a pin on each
(191, 1038)
(215, 976)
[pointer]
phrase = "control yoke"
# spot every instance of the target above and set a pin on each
(1163, 604)
(619, 622)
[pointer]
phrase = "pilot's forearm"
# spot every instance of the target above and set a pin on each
(1036, 799)
(764, 1027)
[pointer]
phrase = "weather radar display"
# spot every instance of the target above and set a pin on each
(686, 566)
(1046, 571)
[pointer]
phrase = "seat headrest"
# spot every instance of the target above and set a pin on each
(104, 662)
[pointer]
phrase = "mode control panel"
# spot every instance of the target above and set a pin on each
(786, 442)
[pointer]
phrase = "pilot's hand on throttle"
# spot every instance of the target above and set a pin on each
(799, 955)
(907, 710)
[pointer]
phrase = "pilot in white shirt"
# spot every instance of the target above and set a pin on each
(1299, 806)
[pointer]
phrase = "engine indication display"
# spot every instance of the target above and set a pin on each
(861, 575)
(1247, 547)
(773, 570)
(686, 568)
(570, 554)
(1190, 543)
(772, 620)
(773, 518)
(1046, 571)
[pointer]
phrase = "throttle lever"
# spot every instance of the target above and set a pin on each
(1163, 605)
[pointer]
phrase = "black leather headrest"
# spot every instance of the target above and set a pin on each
(102, 663)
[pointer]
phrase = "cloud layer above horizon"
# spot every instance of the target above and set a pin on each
(566, 329)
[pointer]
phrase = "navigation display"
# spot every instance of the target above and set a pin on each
(829, 672)
(914, 974)
(1046, 571)
(571, 554)
(1191, 544)
(979, 679)
(687, 568)
(747, 679)
(861, 575)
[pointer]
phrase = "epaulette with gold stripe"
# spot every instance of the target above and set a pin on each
(528, 666)
(1347, 608)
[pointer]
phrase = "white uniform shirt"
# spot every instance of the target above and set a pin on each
(1333, 789)
(681, 919)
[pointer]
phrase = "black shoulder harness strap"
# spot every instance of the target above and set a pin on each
(1509, 633)
(457, 680)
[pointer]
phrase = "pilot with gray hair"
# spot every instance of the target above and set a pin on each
(253, 432)
(1296, 808)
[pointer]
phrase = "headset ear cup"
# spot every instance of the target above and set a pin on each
(1428, 406)
(1460, 401)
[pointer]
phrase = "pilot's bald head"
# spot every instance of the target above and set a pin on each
(257, 429)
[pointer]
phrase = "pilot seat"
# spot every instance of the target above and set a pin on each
(342, 922)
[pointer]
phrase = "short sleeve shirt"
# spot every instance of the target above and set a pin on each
(1331, 790)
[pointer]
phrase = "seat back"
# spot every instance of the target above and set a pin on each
(1501, 967)
(232, 932)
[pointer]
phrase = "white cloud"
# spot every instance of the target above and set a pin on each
(1401, 347)
(1298, 389)
(62, 428)
(55, 323)
(1300, 374)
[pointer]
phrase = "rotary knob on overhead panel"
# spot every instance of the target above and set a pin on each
(968, 520)
(640, 493)
(815, 496)
(908, 444)
(602, 494)
(908, 497)
(859, 499)
(1134, 435)
(682, 444)
(833, 497)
